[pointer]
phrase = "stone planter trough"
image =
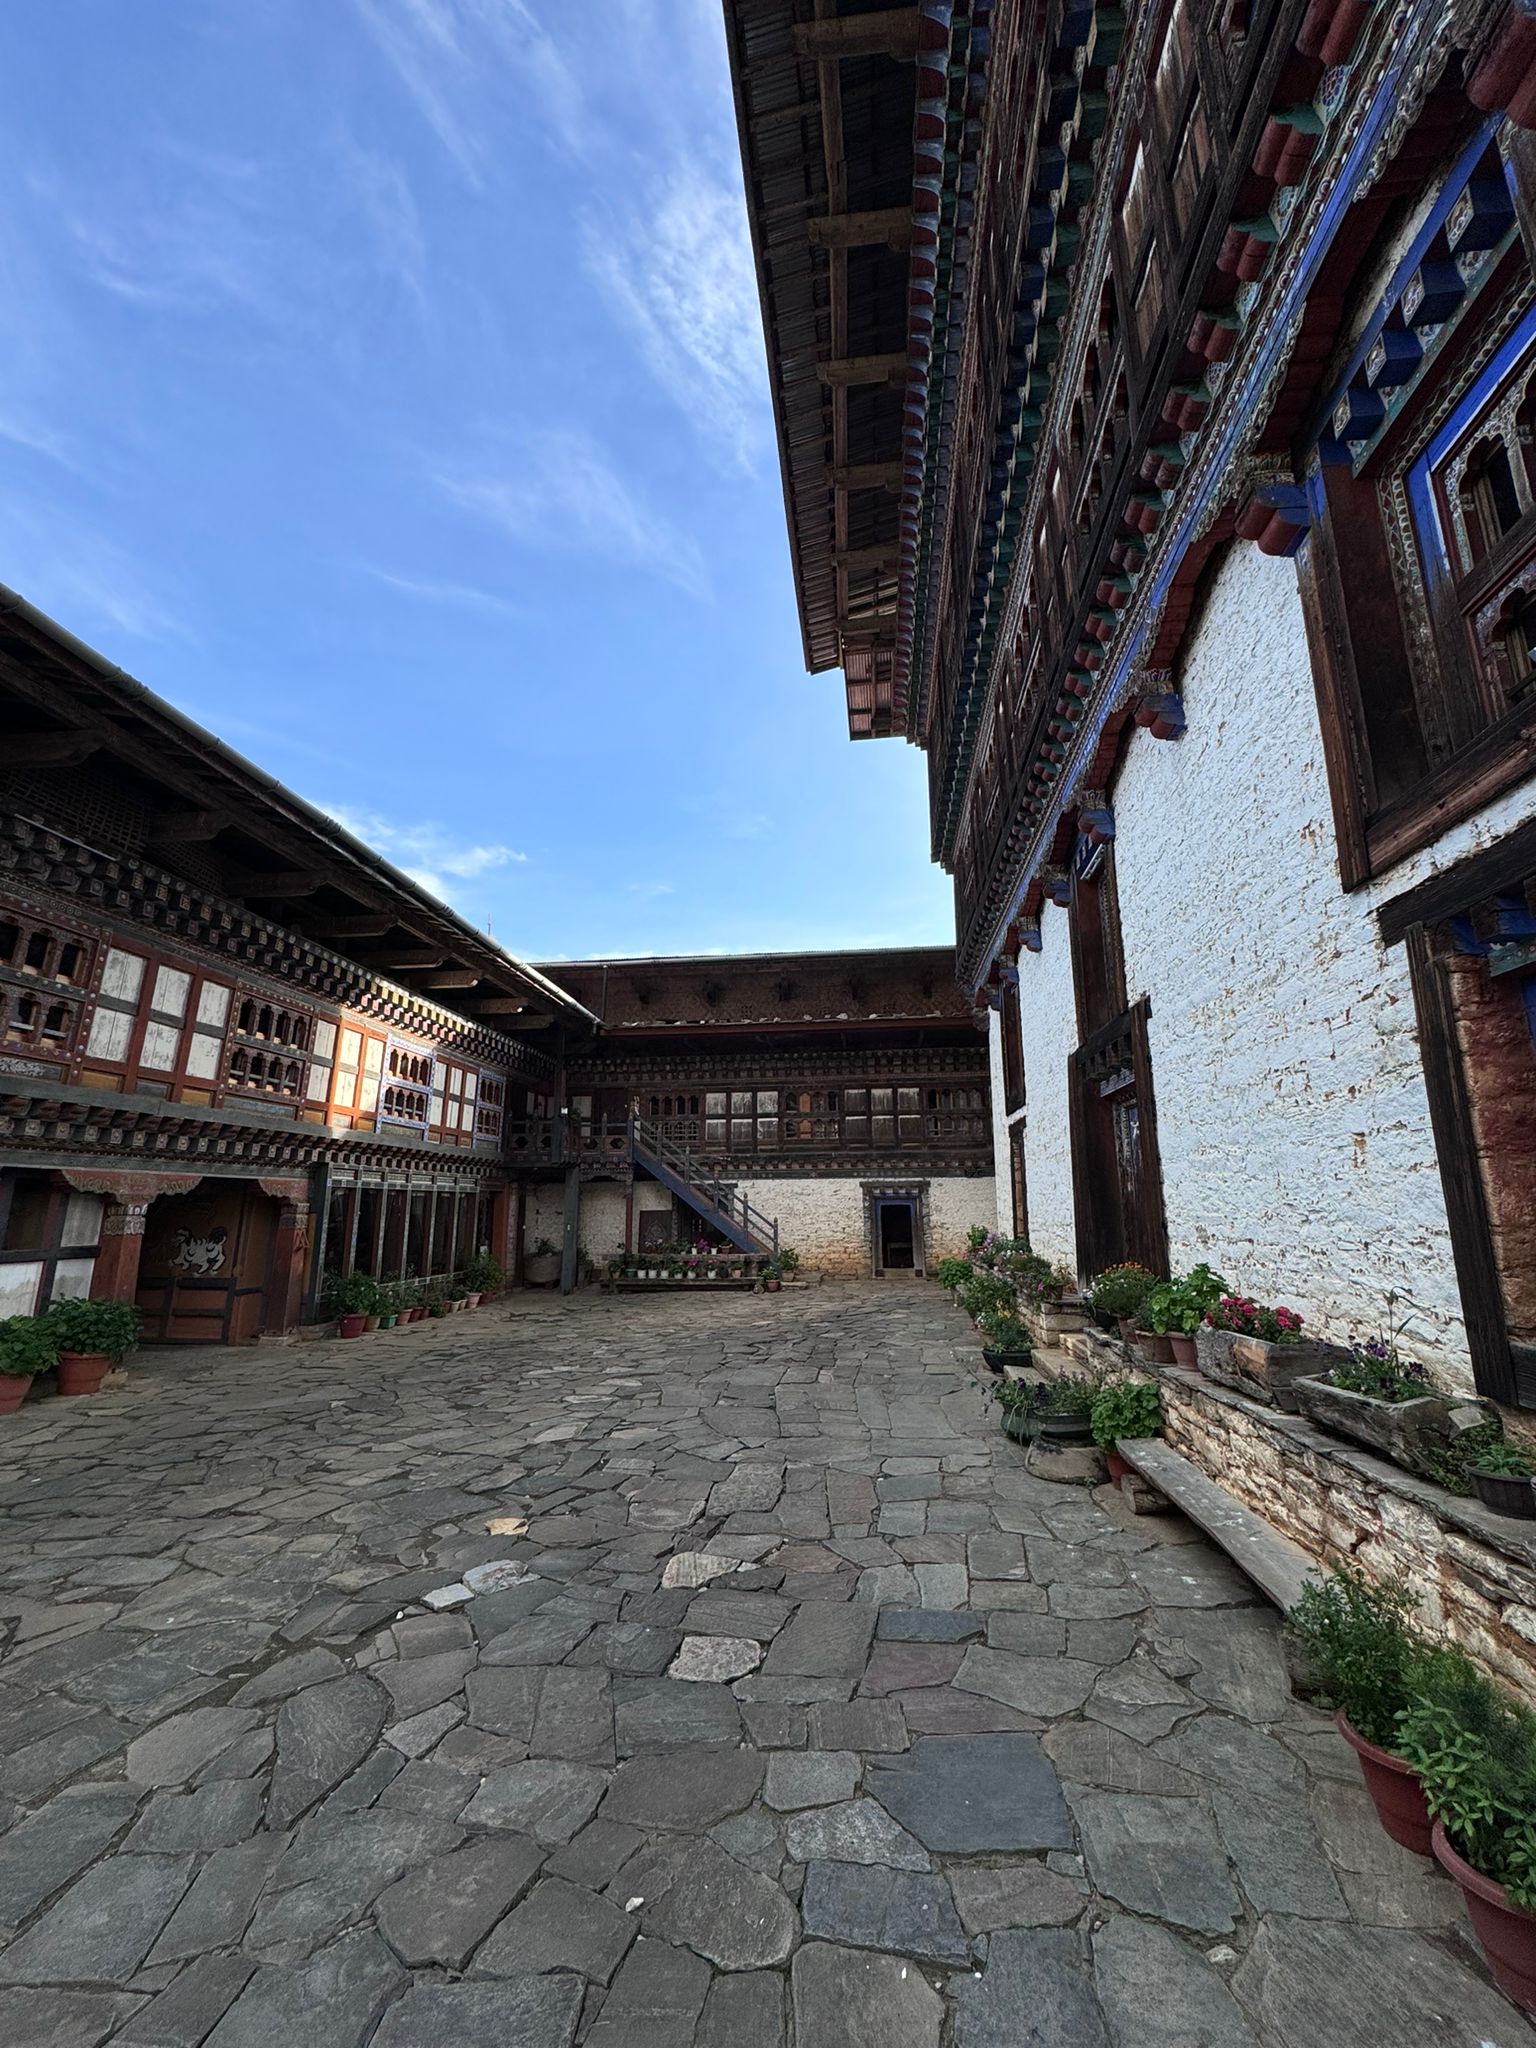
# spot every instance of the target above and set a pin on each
(1264, 1372)
(1411, 1433)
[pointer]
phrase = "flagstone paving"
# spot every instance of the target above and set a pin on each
(686, 1673)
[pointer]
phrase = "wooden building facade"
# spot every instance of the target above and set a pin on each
(237, 1050)
(1156, 392)
(844, 1096)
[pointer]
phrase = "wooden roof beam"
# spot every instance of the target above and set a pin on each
(280, 885)
(189, 828)
(868, 476)
(368, 927)
(889, 224)
(50, 749)
(453, 977)
(884, 555)
(403, 957)
(842, 371)
(859, 35)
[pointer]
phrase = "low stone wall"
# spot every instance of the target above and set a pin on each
(1472, 1573)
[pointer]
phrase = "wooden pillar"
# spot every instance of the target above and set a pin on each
(570, 1248)
(115, 1275)
(285, 1296)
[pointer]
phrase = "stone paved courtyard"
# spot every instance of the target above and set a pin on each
(772, 1700)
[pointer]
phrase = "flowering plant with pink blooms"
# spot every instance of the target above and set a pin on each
(1255, 1319)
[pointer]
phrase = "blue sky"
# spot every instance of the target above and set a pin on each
(383, 384)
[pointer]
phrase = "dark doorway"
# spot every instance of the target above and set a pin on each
(898, 1236)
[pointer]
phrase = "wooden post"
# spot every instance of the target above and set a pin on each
(115, 1275)
(572, 1238)
(286, 1296)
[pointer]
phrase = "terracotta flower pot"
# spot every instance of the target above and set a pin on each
(1118, 1468)
(1396, 1793)
(14, 1389)
(351, 1326)
(1183, 1348)
(82, 1372)
(772, 1286)
(1126, 1325)
(370, 1324)
(1156, 1348)
(1505, 1493)
(1508, 1935)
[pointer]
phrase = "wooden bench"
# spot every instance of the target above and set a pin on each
(1276, 1565)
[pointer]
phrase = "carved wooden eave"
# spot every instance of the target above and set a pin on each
(824, 105)
(257, 846)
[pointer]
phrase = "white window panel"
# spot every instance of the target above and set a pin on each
(213, 1004)
(373, 1058)
(325, 1038)
(319, 1082)
(18, 1287)
(456, 1080)
(122, 975)
(346, 1087)
(171, 991)
(82, 1219)
(471, 1083)
(72, 1279)
(351, 1047)
(203, 1056)
(161, 1044)
(110, 1033)
(370, 1096)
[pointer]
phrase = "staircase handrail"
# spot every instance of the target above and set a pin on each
(705, 1180)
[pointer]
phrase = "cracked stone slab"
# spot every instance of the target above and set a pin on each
(496, 1575)
(184, 2014)
(928, 1625)
(678, 1790)
(1036, 1988)
(50, 2018)
(860, 2000)
(1044, 1687)
(1160, 1857)
(514, 2012)
(743, 2011)
(964, 1794)
(558, 1926)
(101, 1929)
(51, 1846)
(330, 2001)
(323, 1733)
(811, 1777)
(871, 1906)
(696, 1893)
(664, 1713)
(440, 1912)
(825, 1640)
(858, 1831)
(1014, 1895)
(655, 2000)
(715, 1659)
(1155, 1991)
(217, 1909)
(178, 1749)
(1091, 1753)
(542, 1798)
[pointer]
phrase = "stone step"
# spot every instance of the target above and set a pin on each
(1276, 1565)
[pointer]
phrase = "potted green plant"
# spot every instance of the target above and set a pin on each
(1066, 1410)
(389, 1304)
(1123, 1409)
(1005, 1339)
(541, 1268)
(1360, 1641)
(1176, 1308)
(789, 1262)
(1118, 1295)
(433, 1299)
(987, 1294)
(91, 1336)
(351, 1299)
(1501, 1479)
(1019, 1401)
(952, 1275)
(1474, 1753)
(486, 1277)
(1388, 1402)
(773, 1276)
(28, 1345)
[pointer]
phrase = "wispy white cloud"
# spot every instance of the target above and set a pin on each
(555, 490)
(463, 596)
(62, 565)
(678, 271)
(428, 853)
(445, 52)
(650, 892)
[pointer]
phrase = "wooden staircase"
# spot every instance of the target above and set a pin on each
(702, 1189)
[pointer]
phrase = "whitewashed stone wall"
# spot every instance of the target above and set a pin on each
(824, 1219)
(1048, 1016)
(1292, 1118)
